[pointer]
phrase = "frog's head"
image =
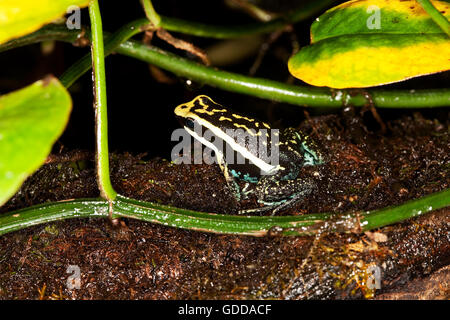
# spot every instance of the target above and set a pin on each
(203, 114)
(202, 111)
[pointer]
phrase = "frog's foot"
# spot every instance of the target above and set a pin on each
(276, 206)
(282, 194)
(245, 192)
(291, 202)
(267, 206)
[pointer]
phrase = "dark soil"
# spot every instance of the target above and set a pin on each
(365, 169)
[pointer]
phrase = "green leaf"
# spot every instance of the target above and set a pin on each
(31, 119)
(20, 17)
(367, 43)
(375, 17)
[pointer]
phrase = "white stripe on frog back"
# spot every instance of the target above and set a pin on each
(207, 143)
(261, 164)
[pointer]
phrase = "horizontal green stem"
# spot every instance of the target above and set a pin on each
(262, 88)
(48, 212)
(308, 224)
(225, 32)
(214, 223)
(274, 90)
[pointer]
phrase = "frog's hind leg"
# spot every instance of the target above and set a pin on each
(279, 205)
(283, 194)
(291, 202)
(247, 190)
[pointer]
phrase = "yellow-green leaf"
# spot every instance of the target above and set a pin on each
(31, 119)
(367, 43)
(375, 17)
(20, 17)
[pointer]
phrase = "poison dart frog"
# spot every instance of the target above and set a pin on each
(267, 159)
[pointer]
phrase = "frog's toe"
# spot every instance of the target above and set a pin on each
(258, 210)
(282, 191)
(285, 194)
(291, 202)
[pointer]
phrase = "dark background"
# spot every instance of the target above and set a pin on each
(140, 109)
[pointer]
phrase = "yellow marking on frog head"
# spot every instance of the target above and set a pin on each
(211, 111)
(200, 104)
(207, 114)
(222, 118)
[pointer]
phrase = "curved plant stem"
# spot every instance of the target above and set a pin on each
(437, 17)
(263, 88)
(112, 42)
(269, 89)
(101, 117)
(379, 218)
(81, 208)
(308, 224)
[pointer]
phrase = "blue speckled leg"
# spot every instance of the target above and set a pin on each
(281, 194)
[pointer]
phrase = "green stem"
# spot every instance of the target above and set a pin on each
(437, 17)
(269, 89)
(112, 42)
(48, 212)
(101, 117)
(297, 95)
(151, 14)
(226, 32)
(308, 224)
(380, 218)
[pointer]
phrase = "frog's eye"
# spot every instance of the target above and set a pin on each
(190, 123)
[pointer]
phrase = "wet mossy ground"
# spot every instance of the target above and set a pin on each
(365, 169)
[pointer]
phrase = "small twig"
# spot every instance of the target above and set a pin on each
(183, 45)
(148, 36)
(155, 19)
(252, 10)
(371, 105)
(302, 266)
(264, 49)
(274, 36)
(311, 122)
(160, 75)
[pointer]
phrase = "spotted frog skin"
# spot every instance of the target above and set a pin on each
(274, 183)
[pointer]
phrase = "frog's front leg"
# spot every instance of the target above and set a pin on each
(282, 194)
(231, 182)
